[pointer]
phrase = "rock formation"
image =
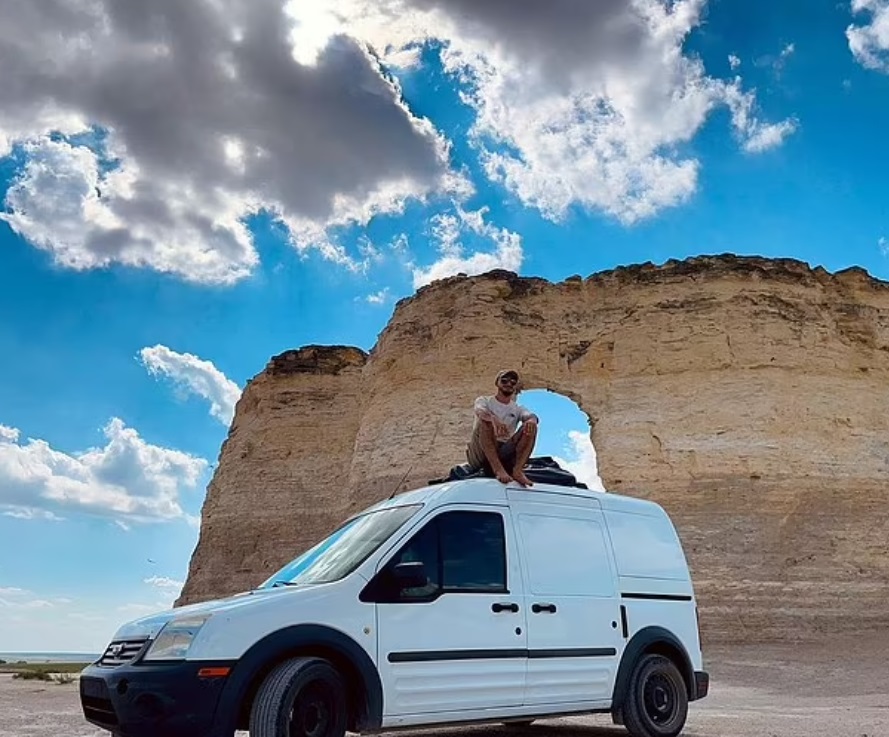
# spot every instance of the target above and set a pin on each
(748, 396)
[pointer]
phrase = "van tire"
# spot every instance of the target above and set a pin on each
(657, 700)
(310, 688)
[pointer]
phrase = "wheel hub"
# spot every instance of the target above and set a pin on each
(659, 699)
(311, 715)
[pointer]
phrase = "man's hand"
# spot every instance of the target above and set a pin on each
(503, 477)
(501, 431)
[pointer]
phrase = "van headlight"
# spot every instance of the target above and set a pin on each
(175, 637)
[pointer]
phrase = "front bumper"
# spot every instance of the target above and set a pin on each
(702, 684)
(152, 700)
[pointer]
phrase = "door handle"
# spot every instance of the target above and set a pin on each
(509, 606)
(537, 608)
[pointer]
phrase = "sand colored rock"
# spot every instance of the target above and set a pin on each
(746, 395)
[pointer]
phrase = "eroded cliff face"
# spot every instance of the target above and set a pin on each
(747, 396)
(283, 471)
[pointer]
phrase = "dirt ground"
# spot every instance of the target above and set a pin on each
(756, 691)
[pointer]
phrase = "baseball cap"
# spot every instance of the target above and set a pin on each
(507, 372)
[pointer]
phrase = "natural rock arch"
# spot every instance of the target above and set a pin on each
(746, 395)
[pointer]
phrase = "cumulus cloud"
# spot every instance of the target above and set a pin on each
(128, 480)
(869, 43)
(180, 120)
(450, 231)
(9, 434)
(581, 460)
(194, 375)
(577, 102)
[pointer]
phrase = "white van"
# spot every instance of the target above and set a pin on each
(461, 602)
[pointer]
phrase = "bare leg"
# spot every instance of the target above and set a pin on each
(524, 448)
(489, 446)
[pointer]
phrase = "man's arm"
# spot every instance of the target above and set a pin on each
(482, 411)
(526, 415)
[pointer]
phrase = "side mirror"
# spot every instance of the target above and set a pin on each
(411, 575)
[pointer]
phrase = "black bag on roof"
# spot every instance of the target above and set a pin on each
(540, 469)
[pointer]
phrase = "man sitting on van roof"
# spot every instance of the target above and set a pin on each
(498, 445)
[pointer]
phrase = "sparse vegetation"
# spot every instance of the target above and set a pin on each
(44, 675)
(32, 675)
(62, 673)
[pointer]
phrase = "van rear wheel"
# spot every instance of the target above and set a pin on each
(301, 697)
(657, 701)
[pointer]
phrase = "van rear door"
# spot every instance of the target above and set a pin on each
(570, 598)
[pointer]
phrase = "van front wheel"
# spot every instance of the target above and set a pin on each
(301, 697)
(657, 701)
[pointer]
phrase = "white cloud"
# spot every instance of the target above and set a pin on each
(16, 598)
(733, 61)
(51, 621)
(128, 479)
(190, 118)
(577, 102)
(379, 298)
(883, 243)
(63, 204)
(582, 460)
(30, 514)
(755, 135)
(194, 375)
(163, 582)
(13, 591)
(9, 434)
(763, 137)
(451, 230)
(869, 43)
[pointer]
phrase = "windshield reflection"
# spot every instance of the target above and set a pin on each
(344, 550)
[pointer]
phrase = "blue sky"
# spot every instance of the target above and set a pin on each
(170, 221)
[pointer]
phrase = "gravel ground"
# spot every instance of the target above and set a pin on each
(756, 691)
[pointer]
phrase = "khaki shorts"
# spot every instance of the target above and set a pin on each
(506, 449)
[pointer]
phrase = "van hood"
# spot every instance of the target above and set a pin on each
(151, 624)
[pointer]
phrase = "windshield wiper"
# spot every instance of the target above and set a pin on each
(284, 583)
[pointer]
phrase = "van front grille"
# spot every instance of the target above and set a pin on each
(122, 651)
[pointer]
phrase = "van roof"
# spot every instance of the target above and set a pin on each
(475, 490)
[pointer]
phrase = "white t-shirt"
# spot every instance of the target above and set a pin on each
(509, 414)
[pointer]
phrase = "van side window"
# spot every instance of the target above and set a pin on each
(461, 552)
(473, 550)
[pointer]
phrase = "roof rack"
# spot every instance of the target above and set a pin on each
(540, 469)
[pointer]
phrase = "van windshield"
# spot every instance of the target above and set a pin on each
(344, 550)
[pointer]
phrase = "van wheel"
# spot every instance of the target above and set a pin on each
(657, 702)
(301, 697)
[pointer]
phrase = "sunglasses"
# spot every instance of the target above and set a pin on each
(508, 380)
